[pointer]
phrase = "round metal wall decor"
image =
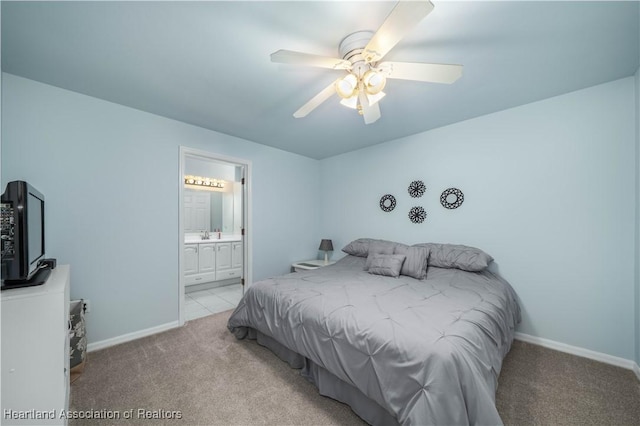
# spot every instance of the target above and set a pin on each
(387, 202)
(451, 198)
(417, 214)
(416, 188)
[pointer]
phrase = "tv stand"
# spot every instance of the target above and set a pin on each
(39, 278)
(35, 351)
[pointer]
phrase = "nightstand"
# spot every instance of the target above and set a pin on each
(307, 265)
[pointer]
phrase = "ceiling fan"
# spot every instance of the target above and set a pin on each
(366, 76)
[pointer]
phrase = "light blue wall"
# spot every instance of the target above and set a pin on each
(549, 192)
(210, 169)
(1, 93)
(546, 193)
(638, 210)
(110, 177)
(637, 81)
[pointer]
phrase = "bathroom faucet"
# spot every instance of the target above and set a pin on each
(205, 235)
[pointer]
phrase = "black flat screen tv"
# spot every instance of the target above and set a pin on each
(22, 226)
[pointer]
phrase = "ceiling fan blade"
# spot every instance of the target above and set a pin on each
(315, 101)
(433, 73)
(370, 113)
(402, 19)
(300, 58)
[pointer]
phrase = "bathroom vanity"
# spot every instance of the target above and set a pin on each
(212, 260)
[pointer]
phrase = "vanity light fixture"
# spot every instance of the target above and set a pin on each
(203, 181)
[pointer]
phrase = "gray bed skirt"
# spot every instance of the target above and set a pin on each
(327, 384)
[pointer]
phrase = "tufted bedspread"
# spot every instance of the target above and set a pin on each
(428, 352)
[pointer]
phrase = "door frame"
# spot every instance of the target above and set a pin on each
(247, 240)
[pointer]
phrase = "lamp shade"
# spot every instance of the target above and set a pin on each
(326, 245)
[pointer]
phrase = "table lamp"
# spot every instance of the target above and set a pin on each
(326, 246)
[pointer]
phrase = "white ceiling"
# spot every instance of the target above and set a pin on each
(207, 63)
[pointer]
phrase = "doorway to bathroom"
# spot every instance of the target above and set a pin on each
(214, 233)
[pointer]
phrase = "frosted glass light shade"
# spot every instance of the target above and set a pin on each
(374, 82)
(351, 102)
(375, 98)
(347, 87)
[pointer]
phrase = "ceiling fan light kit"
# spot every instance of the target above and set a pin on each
(361, 88)
(360, 78)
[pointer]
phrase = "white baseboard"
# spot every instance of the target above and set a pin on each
(131, 336)
(585, 353)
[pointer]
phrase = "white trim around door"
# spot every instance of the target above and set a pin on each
(247, 266)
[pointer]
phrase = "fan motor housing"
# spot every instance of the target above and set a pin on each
(352, 45)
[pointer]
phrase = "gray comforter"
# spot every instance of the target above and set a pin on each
(429, 352)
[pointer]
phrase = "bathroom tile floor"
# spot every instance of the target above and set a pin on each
(206, 302)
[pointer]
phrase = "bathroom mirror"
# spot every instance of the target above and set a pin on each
(215, 207)
(209, 210)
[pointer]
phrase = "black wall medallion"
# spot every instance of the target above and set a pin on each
(451, 198)
(416, 188)
(387, 202)
(417, 214)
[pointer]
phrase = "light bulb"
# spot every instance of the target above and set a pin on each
(374, 82)
(346, 87)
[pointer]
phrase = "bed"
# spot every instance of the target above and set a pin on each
(409, 335)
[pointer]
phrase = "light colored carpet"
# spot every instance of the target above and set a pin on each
(539, 386)
(211, 378)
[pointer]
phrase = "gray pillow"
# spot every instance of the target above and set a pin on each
(361, 246)
(386, 264)
(415, 263)
(379, 247)
(457, 256)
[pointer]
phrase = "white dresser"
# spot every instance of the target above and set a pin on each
(35, 352)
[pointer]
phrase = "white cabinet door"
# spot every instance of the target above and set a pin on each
(190, 259)
(236, 255)
(206, 262)
(224, 256)
(207, 258)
